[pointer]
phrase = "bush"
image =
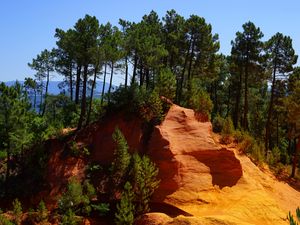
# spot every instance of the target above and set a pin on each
(218, 123)
(134, 99)
(125, 208)
(291, 218)
(198, 99)
(69, 218)
(102, 208)
(257, 152)
(165, 84)
(246, 142)
(42, 213)
(145, 182)
(17, 211)
(4, 220)
(227, 131)
(149, 106)
(121, 159)
(274, 156)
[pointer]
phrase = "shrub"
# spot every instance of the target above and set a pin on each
(72, 197)
(134, 99)
(150, 106)
(77, 197)
(69, 218)
(227, 131)
(125, 208)
(197, 98)
(42, 213)
(165, 84)
(291, 218)
(218, 123)
(246, 142)
(274, 156)
(102, 208)
(4, 220)
(256, 152)
(121, 158)
(17, 211)
(145, 182)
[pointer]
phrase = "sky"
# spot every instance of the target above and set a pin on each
(28, 26)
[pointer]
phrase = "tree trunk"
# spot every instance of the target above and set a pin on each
(103, 86)
(126, 71)
(296, 158)
(34, 102)
(191, 60)
(179, 92)
(134, 68)
(83, 99)
(147, 75)
(46, 93)
(141, 74)
(77, 88)
(41, 99)
(91, 97)
(110, 82)
(245, 119)
(71, 82)
(237, 102)
(267, 137)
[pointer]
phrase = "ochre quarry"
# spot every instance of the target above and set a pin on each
(204, 182)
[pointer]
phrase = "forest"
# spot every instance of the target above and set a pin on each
(251, 96)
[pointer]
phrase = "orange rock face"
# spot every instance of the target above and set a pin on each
(212, 183)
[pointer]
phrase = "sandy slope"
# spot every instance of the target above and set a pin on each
(213, 183)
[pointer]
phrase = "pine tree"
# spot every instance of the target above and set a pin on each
(125, 208)
(121, 158)
(281, 57)
(145, 182)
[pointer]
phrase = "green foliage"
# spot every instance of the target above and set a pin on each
(228, 128)
(149, 105)
(125, 208)
(145, 103)
(101, 208)
(144, 173)
(77, 197)
(218, 123)
(72, 197)
(42, 213)
(198, 99)
(291, 217)
(17, 212)
(166, 84)
(274, 156)
(4, 220)
(69, 218)
(121, 158)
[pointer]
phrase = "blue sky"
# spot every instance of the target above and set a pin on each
(27, 26)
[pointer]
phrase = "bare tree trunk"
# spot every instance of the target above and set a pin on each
(296, 158)
(246, 106)
(103, 86)
(110, 82)
(91, 97)
(83, 99)
(77, 88)
(134, 68)
(71, 82)
(268, 124)
(46, 93)
(126, 71)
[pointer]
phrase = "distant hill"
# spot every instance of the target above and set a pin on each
(55, 90)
